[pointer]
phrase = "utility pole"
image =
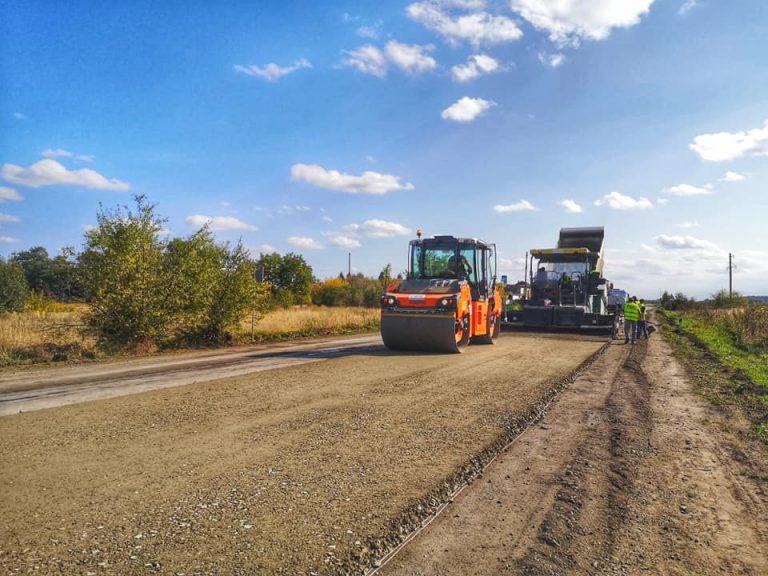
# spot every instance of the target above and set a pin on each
(730, 275)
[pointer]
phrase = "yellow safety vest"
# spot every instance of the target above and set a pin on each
(631, 311)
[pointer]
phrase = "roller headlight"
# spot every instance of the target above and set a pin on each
(447, 303)
(388, 301)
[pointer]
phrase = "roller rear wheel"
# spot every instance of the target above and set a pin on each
(492, 329)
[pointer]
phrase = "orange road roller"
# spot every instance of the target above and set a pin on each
(449, 298)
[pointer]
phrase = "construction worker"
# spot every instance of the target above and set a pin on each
(642, 324)
(460, 267)
(631, 316)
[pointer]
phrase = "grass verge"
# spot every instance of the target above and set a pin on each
(727, 376)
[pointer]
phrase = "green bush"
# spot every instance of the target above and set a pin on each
(13, 287)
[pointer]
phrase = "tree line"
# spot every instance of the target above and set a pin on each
(144, 288)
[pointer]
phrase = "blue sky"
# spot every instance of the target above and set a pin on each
(336, 127)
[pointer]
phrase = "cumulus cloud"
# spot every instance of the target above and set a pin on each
(304, 242)
(8, 240)
(732, 177)
(368, 183)
(219, 223)
(477, 65)
(619, 201)
(367, 59)
(553, 60)
(9, 218)
(9, 195)
(412, 58)
(344, 241)
(522, 206)
(379, 229)
(273, 72)
(688, 190)
(684, 243)
(473, 25)
(466, 109)
(50, 173)
(571, 206)
(722, 146)
(570, 21)
(266, 249)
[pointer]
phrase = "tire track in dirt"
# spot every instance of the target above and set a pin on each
(630, 472)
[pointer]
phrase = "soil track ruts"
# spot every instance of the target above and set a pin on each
(629, 473)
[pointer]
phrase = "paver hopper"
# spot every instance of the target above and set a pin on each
(448, 299)
(568, 289)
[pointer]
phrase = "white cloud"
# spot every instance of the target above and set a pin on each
(57, 153)
(688, 190)
(662, 201)
(379, 229)
(327, 219)
(9, 218)
(367, 59)
(412, 58)
(368, 183)
(371, 32)
(522, 206)
(477, 65)
(344, 241)
(267, 249)
(618, 201)
(732, 177)
(303, 242)
(8, 240)
(466, 109)
(722, 146)
(50, 173)
(553, 60)
(689, 224)
(476, 27)
(684, 243)
(85, 157)
(570, 21)
(9, 194)
(273, 72)
(687, 6)
(219, 223)
(571, 206)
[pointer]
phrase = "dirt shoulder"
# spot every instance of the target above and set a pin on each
(630, 472)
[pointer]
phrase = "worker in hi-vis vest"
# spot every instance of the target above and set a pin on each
(631, 316)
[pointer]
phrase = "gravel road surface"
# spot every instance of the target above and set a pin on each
(316, 467)
(582, 457)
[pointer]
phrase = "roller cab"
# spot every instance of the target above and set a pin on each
(448, 299)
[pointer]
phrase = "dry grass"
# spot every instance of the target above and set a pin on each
(52, 332)
(311, 321)
(43, 335)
